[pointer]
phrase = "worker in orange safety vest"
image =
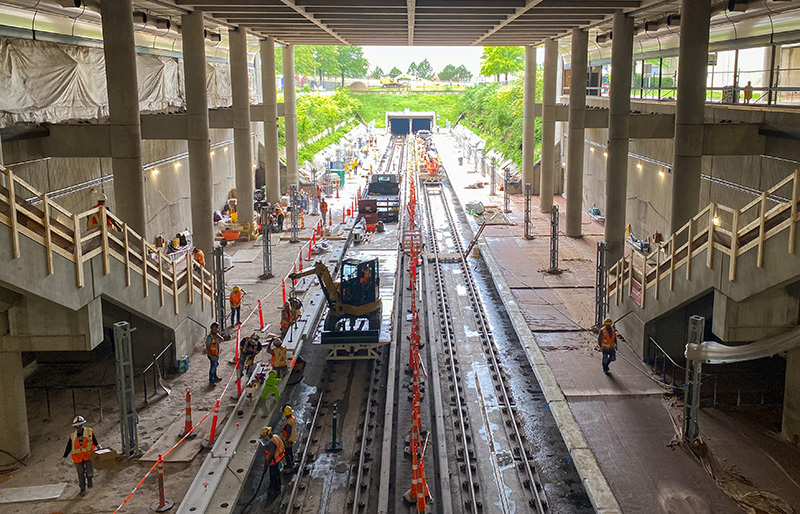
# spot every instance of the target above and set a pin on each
(278, 359)
(273, 453)
(199, 258)
(94, 219)
(236, 304)
(289, 436)
(82, 442)
(213, 341)
(607, 338)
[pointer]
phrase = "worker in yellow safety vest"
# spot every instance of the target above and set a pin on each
(82, 442)
(236, 304)
(278, 352)
(273, 453)
(289, 435)
(607, 338)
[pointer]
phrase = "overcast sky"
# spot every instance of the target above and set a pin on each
(439, 56)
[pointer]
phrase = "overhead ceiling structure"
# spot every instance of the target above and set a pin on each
(414, 22)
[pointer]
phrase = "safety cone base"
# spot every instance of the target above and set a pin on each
(157, 507)
(333, 447)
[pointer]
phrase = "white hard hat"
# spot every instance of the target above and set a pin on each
(101, 197)
(78, 422)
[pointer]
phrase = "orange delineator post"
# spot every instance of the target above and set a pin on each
(302, 221)
(343, 214)
(337, 191)
(283, 290)
(238, 340)
(311, 243)
(300, 259)
(187, 427)
(260, 315)
(213, 425)
(162, 502)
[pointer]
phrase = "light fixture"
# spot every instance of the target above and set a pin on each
(716, 220)
(155, 171)
(661, 173)
(639, 165)
(177, 165)
(591, 149)
(225, 149)
(605, 154)
(212, 153)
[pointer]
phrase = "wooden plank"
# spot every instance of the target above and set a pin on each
(189, 284)
(658, 267)
(793, 218)
(12, 203)
(144, 265)
(160, 279)
(104, 235)
(689, 253)
(31, 493)
(712, 213)
(78, 249)
(762, 221)
(127, 255)
(48, 237)
(175, 287)
(672, 263)
(734, 246)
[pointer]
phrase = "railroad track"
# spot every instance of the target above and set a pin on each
(483, 453)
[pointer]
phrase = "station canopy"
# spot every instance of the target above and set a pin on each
(418, 22)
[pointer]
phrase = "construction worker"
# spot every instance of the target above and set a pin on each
(236, 304)
(323, 210)
(82, 442)
(608, 343)
(94, 219)
(289, 436)
(278, 352)
(273, 453)
(249, 347)
(213, 342)
(199, 258)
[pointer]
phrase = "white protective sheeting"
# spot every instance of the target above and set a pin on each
(710, 352)
(48, 82)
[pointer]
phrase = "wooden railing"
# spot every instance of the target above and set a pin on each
(750, 227)
(62, 232)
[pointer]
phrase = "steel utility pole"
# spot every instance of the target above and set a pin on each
(528, 222)
(266, 245)
(553, 239)
(691, 392)
(125, 394)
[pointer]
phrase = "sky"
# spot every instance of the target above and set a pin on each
(439, 56)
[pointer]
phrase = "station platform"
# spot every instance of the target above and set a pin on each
(630, 423)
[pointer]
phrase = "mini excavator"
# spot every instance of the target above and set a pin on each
(354, 302)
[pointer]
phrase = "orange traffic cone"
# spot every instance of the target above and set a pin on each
(302, 221)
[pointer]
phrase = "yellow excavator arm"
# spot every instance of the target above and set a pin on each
(329, 287)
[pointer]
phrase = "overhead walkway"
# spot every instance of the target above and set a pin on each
(58, 274)
(744, 257)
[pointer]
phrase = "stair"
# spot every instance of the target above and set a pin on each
(740, 255)
(48, 256)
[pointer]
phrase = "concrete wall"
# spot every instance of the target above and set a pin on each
(649, 193)
(166, 192)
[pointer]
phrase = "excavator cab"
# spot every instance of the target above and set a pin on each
(360, 284)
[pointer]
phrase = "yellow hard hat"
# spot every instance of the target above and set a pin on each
(266, 431)
(235, 289)
(608, 322)
(287, 411)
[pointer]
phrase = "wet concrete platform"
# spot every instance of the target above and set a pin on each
(626, 419)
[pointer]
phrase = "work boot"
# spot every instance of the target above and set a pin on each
(83, 493)
(89, 483)
(217, 379)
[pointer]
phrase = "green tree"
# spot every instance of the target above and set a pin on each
(462, 73)
(425, 70)
(502, 60)
(350, 61)
(449, 72)
(412, 69)
(395, 72)
(376, 73)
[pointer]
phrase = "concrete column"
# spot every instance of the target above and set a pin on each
(790, 427)
(243, 153)
(290, 116)
(618, 122)
(528, 117)
(272, 162)
(123, 106)
(13, 413)
(689, 117)
(546, 185)
(200, 174)
(577, 123)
